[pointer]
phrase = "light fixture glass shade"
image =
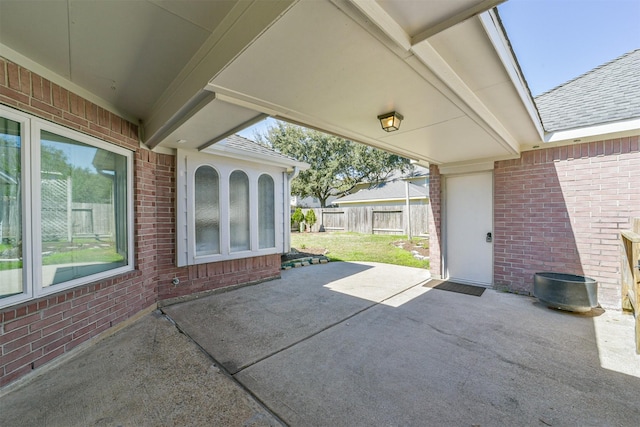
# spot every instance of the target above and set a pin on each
(390, 121)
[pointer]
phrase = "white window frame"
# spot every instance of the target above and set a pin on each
(252, 205)
(273, 183)
(31, 127)
(187, 163)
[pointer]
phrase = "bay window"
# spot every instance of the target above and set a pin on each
(227, 208)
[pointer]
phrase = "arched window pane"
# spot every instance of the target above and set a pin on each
(266, 213)
(239, 211)
(207, 211)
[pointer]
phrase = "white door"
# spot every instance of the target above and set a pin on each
(469, 228)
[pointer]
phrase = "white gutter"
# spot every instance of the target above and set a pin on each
(595, 132)
(286, 204)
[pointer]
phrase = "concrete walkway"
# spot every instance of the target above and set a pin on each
(347, 344)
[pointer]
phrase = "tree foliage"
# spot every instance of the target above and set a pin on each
(310, 218)
(337, 164)
(88, 185)
(297, 216)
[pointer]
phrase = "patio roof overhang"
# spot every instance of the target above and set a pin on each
(200, 71)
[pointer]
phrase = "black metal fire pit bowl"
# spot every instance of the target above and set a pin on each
(566, 291)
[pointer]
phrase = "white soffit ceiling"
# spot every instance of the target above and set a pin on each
(333, 65)
(319, 67)
(126, 53)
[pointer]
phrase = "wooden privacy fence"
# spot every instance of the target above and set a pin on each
(373, 219)
(630, 271)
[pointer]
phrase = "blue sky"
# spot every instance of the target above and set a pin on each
(558, 40)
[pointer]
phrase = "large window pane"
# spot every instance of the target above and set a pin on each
(239, 211)
(10, 209)
(266, 213)
(207, 211)
(83, 209)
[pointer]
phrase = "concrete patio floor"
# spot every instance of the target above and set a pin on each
(346, 344)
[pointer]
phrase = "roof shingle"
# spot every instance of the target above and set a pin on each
(608, 93)
(392, 190)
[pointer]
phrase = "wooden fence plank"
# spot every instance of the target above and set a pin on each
(372, 219)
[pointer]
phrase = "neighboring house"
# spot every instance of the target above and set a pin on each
(383, 208)
(309, 202)
(134, 96)
(388, 193)
(416, 174)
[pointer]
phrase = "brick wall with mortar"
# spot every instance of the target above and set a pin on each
(435, 192)
(561, 209)
(40, 330)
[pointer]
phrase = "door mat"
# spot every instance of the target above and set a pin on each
(445, 285)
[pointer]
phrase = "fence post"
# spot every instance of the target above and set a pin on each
(408, 208)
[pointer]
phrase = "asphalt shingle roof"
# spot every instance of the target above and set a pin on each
(238, 142)
(392, 190)
(608, 93)
(416, 171)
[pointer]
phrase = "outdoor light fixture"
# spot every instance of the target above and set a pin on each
(390, 121)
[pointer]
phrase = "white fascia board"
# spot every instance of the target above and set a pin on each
(498, 39)
(456, 19)
(597, 132)
(63, 82)
(247, 21)
(373, 11)
(475, 108)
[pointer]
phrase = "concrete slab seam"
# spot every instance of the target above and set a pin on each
(222, 369)
(351, 316)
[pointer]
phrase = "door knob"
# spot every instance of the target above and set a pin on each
(489, 237)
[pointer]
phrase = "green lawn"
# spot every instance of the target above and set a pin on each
(358, 247)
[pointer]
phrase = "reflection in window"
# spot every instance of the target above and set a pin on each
(239, 211)
(266, 213)
(10, 209)
(207, 211)
(83, 209)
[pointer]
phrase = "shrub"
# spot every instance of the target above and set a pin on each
(297, 217)
(310, 218)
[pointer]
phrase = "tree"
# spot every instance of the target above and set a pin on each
(337, 165)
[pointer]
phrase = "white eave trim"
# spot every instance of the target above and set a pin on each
(597, 132)
(237, 154)
(498, 39)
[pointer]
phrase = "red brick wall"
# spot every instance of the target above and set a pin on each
(204, 277)
(36, 332)
(434, 221)
(561, 209)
